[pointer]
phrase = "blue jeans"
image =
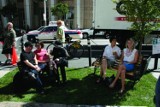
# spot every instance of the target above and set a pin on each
(157, 91)
(42, 65)
(38, 80)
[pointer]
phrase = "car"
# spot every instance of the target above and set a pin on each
(49, 32)
(74, 34)
(89, 32)
(31, 35)
(37, 30)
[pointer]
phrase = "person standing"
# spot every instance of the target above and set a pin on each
(9, 42)
(110, 54)
(60, 55)
(60, 32)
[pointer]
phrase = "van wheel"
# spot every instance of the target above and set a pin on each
(85, 35)
(32, 39)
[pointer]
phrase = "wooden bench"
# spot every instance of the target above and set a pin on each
(132, 75)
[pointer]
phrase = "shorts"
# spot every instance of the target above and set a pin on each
(110, 63)
(7, 51)
(129, 67)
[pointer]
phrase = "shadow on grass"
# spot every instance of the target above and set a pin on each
(83, 91)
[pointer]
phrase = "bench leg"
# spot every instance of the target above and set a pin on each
(95, 69)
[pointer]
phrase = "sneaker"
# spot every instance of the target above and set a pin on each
(8, 62)
(41, 92)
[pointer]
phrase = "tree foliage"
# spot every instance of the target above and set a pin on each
(145, 15)
(10, 10)
(59, 10)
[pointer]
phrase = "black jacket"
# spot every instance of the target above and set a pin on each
(59, 52)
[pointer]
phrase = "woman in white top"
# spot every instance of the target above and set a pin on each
(129, 58)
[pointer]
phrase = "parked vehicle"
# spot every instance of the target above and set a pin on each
(89, 32)
(49, 33)
(31, 35)
(74, 34)
(112, 21)
(109, 17)
(37, 30)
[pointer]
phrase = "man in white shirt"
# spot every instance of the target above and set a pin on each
(110, 54)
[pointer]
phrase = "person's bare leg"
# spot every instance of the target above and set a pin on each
(10, 56)
(7, 56)
(104, 68)
(101, 70)
(120, 68)
(122, 81)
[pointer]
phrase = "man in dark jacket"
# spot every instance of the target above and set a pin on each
(60, 55)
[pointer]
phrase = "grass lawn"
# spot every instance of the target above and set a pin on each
(82, 89)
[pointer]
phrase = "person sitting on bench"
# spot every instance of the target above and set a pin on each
(110, 54)
(30, 64)
(42, 56)
(128, 60)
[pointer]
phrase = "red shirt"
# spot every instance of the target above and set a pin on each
(41, 54)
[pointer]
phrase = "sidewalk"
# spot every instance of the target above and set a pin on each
(23, 104)
(5, 69)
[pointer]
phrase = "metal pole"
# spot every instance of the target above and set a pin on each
(89, 50)
(44, 15)
(22, 50)
(155, 61)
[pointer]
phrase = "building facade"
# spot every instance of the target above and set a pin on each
(30, 13)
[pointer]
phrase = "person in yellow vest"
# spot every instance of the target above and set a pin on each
(60, 32)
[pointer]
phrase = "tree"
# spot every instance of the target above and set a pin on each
(145, 15)
(59, 10)
(10, 11)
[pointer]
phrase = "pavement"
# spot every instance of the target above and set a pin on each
(74, 63)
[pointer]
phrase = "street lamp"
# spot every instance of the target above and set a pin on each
(44, 14)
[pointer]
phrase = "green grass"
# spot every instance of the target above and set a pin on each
(81, 89)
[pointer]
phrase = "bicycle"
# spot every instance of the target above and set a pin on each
(74, 48)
